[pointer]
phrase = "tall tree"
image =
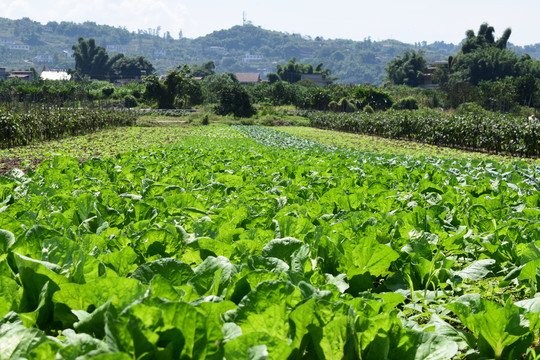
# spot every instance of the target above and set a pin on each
(482, 58)
(407, 69)
(131, 67)
(91, 60)
(206, 69)
(178, 90)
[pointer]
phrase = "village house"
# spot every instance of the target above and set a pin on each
(252, 58)
(431, 69)
(5, 42)
(248, 78)
(160, 53)
(19, 47)
(44, 59)
(24, 75)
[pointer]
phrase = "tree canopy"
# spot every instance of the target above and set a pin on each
(483, 58)
(292, 71)
(408, 69)
(94, 62)
(178, 90)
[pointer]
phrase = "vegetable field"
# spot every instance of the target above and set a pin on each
(247, 243)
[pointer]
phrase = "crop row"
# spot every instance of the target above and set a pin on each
(24, 127)
(497, 133)
(268, 247)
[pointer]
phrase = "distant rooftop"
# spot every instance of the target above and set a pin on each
(246, 78)
(55, 75)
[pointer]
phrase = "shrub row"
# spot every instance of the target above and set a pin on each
(499, 133)
(24, 127)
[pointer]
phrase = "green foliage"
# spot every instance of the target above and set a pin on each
(378, 99)
(368, 109)
(234, 99)
(246, 242)
(178, 90)
(481, 58)
(24, 127)
(408, 103)
(94, 62)
(204, 70)
(408, 69)
(205, 120)
(273, 77)
(107, 91)
(492, 132)
(292, 71)
(130, 101)
(471, 108)
(91, 60)
(131, 68)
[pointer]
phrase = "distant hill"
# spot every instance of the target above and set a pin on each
(248, 48)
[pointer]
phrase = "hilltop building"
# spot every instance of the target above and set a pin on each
(252, 58)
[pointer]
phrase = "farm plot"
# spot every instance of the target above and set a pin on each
(269, 246)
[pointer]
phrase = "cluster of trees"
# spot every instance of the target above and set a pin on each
(484, 71)
(180, 88)
(184, 88)
(292, 72)
(94, 62)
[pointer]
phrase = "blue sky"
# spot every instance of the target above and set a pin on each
(407, 21)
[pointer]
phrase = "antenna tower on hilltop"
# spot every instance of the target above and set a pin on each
(244, 18)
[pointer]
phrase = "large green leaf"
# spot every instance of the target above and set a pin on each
(281, 248)
(499, 326)
(10, 295)
(16, 340)
(213, 275)
(120, 291)
(257, 346)
(367, 256)
(328, 326)
(7, 239)
(123, 262)
(182, 328)
(175, 271)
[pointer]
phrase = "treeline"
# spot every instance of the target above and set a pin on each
(51, 93)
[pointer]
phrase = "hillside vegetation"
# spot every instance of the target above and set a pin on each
(352, 61)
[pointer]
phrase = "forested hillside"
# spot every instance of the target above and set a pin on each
(25, 43)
